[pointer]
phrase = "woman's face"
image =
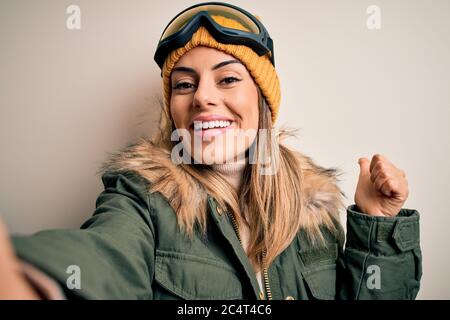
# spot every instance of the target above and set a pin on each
(215, 99)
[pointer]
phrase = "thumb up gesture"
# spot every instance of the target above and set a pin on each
(382, 188)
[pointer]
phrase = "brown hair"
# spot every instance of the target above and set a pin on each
(276, 206)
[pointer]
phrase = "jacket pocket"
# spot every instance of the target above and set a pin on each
(321, 281)
(319, 271)
(185, 276)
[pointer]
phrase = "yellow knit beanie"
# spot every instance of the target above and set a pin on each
(259, 67)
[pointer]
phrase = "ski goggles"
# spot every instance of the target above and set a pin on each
(181, 28)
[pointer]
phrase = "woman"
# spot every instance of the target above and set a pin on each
(216, 206)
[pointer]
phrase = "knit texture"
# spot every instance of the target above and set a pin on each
(233, 172)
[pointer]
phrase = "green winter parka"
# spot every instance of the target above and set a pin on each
(132, 248)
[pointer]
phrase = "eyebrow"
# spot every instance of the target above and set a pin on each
(215, 67)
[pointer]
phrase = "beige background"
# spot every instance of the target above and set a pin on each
(69, 97)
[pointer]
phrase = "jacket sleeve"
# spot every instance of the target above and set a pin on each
(111, 255)
(382, 257)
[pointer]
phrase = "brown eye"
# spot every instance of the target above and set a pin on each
(229, 80)
(183, 85)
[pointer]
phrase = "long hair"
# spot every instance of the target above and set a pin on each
(275, 205)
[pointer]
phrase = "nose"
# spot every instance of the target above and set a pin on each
(207, 94)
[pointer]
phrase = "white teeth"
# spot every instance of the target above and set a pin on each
(198, 125)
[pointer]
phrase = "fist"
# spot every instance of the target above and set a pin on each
(382, 188)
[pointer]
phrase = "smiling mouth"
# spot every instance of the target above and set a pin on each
(206, 125)
(206, 130)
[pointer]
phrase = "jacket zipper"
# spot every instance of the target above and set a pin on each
(265, 271)
(266, 277)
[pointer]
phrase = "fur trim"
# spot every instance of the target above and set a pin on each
(321, 193)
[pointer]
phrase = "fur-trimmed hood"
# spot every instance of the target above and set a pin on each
(321, 193)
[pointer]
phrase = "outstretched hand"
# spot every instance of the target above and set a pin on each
(13, 284)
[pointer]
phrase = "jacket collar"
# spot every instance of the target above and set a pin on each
(321, 193)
